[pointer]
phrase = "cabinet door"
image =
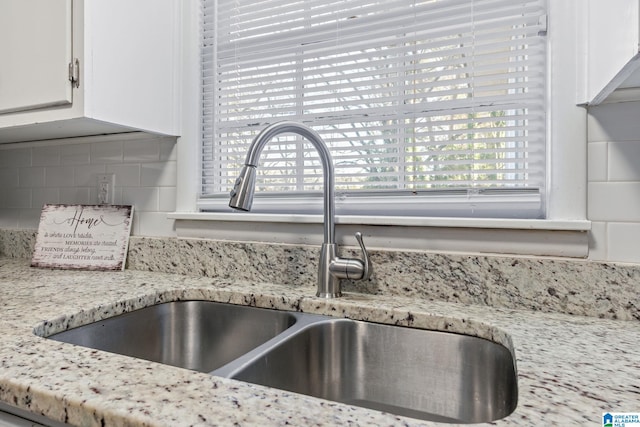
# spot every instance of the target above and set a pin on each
(35, 52)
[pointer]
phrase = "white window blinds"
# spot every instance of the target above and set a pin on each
(433, 107)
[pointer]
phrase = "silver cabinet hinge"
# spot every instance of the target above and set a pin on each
(74, 73)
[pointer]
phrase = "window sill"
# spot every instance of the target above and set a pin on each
(517, 224)
(566, 238)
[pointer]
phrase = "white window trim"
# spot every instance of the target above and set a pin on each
(567, 182)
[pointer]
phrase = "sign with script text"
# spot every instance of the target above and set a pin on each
(83, 237)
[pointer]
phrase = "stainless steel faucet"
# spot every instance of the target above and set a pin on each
(332, 268)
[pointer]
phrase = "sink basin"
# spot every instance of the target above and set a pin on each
(417, 373)
(421, 374)
(197, 335)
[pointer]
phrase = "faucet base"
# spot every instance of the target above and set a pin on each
(328, 284)
(328, 295)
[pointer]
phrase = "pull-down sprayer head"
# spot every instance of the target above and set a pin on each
(243, 189)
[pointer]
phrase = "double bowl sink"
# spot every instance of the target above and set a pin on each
(417, 373)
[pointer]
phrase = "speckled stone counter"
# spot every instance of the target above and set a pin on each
(570, 368)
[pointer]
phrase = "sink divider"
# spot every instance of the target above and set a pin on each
(303, 321)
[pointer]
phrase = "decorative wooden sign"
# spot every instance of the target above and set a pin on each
(83, 237)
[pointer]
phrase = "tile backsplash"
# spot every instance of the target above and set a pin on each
(614, 182)
(66, 171)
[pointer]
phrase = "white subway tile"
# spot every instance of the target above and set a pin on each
(42, 196)
(16, 198)
(75, 195)
(168, 149)
(117, 195)
(31, 177)
(597, 157)
(87, 175)
(614, 122)
(15, 158)
(106, 152)
(145, 150)
(58, 176)
(8, 217)
(77, 154)
(143, 199)
(153, 224)
(614, 201)
(598, 241)
(167, 199)
(29, 218)
(127, 175)
(624, 161)
(9, 177)
(623, 242)
(158, 174)
(46, 156)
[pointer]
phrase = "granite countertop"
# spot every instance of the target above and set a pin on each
(570, 368)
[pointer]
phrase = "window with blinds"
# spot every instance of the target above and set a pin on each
(429, 107)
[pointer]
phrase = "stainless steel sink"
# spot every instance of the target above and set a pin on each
(417, 373)
(421, 374)
(197, 335)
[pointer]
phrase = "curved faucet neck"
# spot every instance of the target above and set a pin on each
(260, 141)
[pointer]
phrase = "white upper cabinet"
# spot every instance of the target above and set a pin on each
(35, 54)
(613, 51)
(88, 67)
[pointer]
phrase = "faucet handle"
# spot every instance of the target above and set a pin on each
(350, 268)
(365, 256)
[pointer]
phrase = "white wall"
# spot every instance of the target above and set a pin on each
(32, 174)
(614, 181)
